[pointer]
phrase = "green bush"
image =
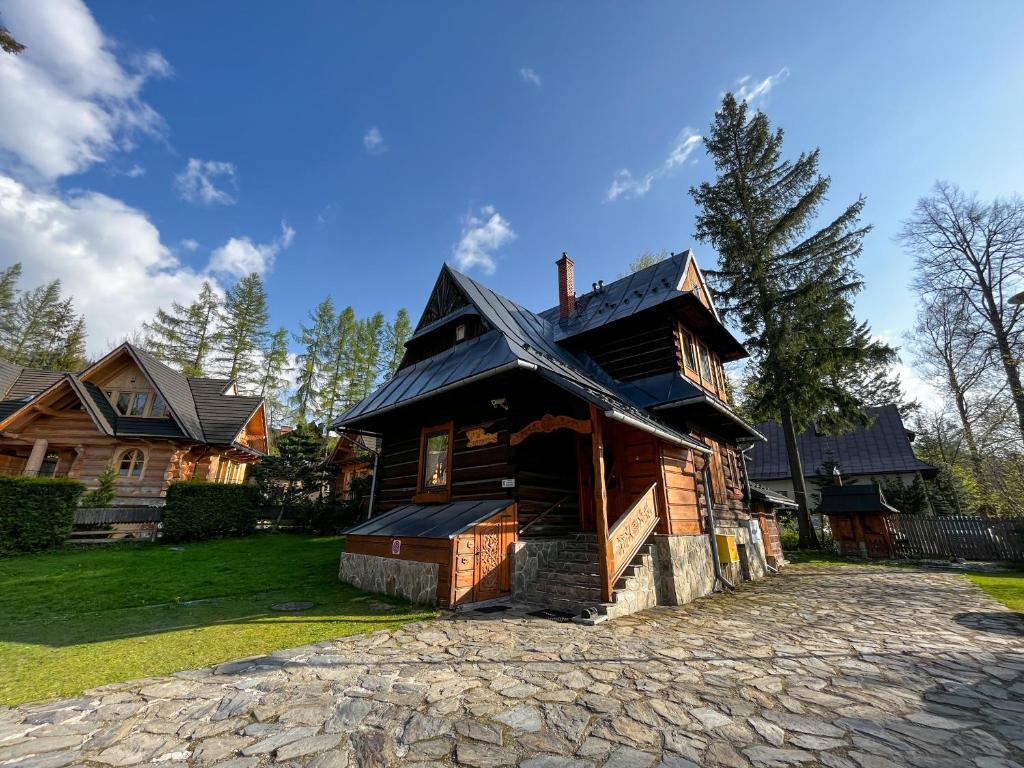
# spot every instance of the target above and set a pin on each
(789, 538)
(103, 495)
(196, 511)
(36, 512)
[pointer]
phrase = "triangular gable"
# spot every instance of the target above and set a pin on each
(693, 281)
(171, 385)
(67, 384)
(445, 298)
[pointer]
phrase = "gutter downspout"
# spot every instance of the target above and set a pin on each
(719, 576)
(746, 485)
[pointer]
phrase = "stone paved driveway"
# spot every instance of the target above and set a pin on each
(856, 667)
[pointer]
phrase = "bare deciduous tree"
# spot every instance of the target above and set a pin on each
(973, 253)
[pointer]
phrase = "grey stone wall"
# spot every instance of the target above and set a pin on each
(638, 590)
(684, 569)
(410, 579)
(528, 556)
(755, 553)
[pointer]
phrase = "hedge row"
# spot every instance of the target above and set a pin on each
(36, 512)
(196, 510)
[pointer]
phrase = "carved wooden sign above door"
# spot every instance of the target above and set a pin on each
(549, 423)
(478, 436)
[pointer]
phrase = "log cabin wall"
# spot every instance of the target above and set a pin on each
(635, 348)
(684, 514)
(477, 470)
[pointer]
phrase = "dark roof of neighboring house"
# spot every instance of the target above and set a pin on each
(222, 416)
(201, 410)
(882, 447)
(861, 497)
(518, 338)
(430, 521)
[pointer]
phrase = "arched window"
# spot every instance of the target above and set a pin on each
(132, 462)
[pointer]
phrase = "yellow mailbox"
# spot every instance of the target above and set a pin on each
(727, 551)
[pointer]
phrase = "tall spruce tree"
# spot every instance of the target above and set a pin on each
(244, 324)
(316, 341)
(185, 337)
(396, 334)
(791, 292)
(338, 366)
(8, 301)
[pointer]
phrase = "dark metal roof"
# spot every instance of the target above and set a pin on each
(430, 521)
(174, 386)
(673, 391)
(32, 381)
(443, 321)
(767, 495)
(882, 447)
(520, 338)
(860, 497)
(622, 298)
(222, 416)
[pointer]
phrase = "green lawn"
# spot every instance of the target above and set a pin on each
(1007, 588)
(71, 620)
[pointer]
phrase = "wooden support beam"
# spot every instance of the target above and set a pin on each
(600, 502)
(35, 459)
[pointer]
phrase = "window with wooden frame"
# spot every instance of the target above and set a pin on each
(144, 402)
(717, 474)
(705, 363)
(132, 463)
(434, 482)
(688, 358)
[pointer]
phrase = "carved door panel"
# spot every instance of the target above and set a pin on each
(490, 560)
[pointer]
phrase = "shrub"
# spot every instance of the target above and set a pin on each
(789, 538)
(36, 512)
(103, 495)
(196, 511)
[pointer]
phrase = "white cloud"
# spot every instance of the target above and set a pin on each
(746, 89)
(482, 235)
(189, 244)
(134, 172)
(373, 140)
(625, 185)
(67, 101)
(107, 255)
(196, 183)
(240, 255)
(530, 76)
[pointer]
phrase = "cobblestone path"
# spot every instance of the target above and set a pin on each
(855, 667)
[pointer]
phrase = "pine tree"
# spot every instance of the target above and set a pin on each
(185, 337)
(396, 334)
(244, 323)
(790, 292)
(273, 382)
(338, 367)
(316, 340)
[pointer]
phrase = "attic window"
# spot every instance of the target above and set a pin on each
(460, 332)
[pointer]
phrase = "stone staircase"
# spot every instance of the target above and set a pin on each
(573, 584)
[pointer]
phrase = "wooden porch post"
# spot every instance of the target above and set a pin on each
(600, 502)
(35, 459)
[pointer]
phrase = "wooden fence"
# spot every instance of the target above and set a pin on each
(100, 525)
(972, 538)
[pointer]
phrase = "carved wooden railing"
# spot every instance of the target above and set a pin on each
(629, 533)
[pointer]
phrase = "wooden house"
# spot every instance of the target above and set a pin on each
(857, 517)
(581, 457)
(152, 423)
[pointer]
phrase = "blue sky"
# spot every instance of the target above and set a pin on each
(352, 148)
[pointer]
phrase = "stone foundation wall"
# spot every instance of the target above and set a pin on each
(684, 568)
(528, 557)
(410, 579)
(638, 590)
(756, 560)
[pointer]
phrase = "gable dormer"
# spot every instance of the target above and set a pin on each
(449, 318)
(127, 388)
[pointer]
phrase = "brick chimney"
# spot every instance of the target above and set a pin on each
(566, 287)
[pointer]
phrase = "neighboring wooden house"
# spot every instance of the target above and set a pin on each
(576, 457)
(882, 449)
(351, 459)
(154, 424)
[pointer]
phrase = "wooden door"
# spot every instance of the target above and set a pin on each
(492, 572)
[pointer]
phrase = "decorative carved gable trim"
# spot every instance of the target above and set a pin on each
(446, 298)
